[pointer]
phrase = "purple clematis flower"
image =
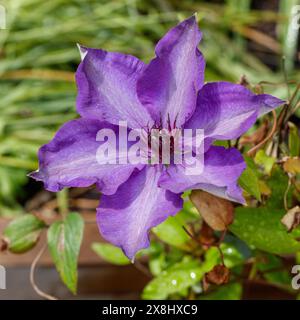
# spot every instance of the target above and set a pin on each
(168, 92)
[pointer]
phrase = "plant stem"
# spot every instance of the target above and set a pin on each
(32, 281)
(63, 202)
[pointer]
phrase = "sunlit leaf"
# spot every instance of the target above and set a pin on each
(249, 180)
(264, 189)
(292, 165)
(178, 277)
(23, 233)
(110, 253)
(171, 231)
(64, 241)
(261, 228)
(266, 162)
(157, 264)
(232, 256)
(278, 184)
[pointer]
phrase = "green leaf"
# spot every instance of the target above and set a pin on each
(261, 228)
(171, 230)
(294, 140)
(64, 241)
(278, 183)
(159, 259)
(189, 212)
(232, 256)
(249, 180)
(110, 253)
(23, 233)
(157, 264)
(272, 269)
(232, 291)
(178, 277)
(221, 143)
(264, 161)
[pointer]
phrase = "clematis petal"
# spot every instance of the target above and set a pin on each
(226, 110)
(69, 160)
(222, 168)
(169, 85)
(106, 83)
(126, 217)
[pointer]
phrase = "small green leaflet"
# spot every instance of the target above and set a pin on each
(23, 233)
(110, 253)
(180, 276)
(249, 179)
(64, 241)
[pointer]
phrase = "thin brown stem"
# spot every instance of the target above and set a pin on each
(270, 135)
(286, 77)
(285, 200)
(221, 255)
(276, 83)
(217, 245)
(32, 281)
(294, 94)
(190, 234)
(297, 106)
(290, 110)
(139, 266)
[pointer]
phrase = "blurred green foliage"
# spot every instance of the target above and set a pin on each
(39, 56)
(38, 59)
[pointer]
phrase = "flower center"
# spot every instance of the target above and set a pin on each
(164, 143)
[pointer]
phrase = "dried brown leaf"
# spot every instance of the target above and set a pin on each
(292, 165)
(218, 275)
(218, 213)
(257, 136)
(291, 219)
(207, 237)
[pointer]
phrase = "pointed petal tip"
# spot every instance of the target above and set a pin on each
(34, 174)
(274, 102)
(235, 194)
(82, 51)
(242, 201)
(192, 20)
(129, 253)
(269, 102)
(269, 99)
